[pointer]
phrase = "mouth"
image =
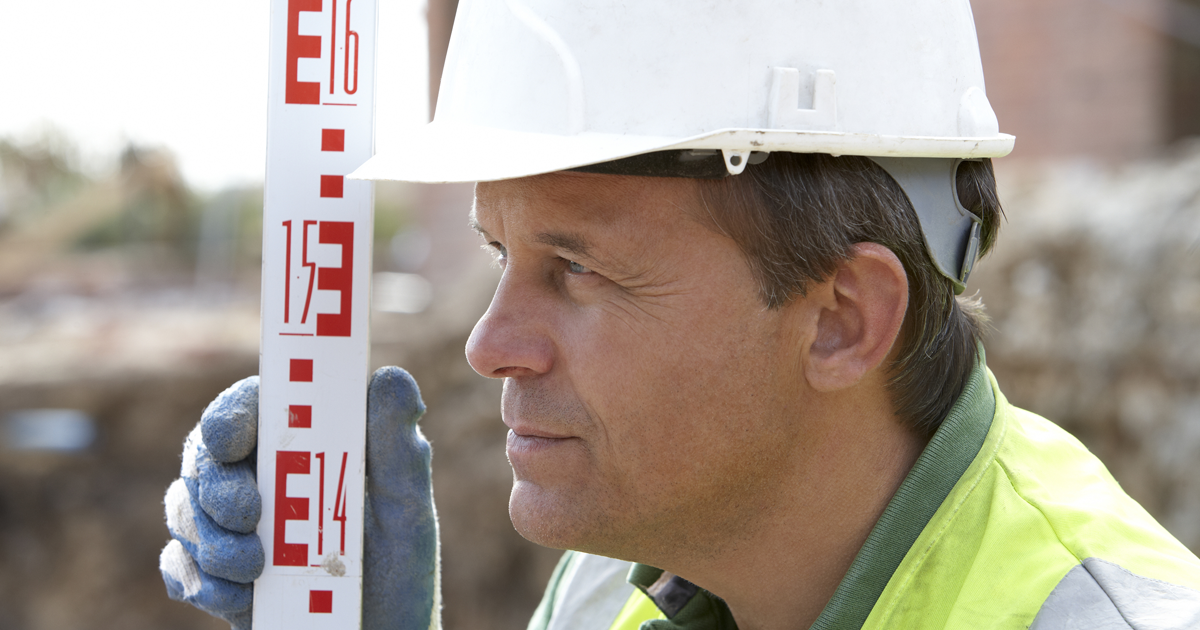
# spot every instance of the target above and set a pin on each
(523, 441)
(524, 431)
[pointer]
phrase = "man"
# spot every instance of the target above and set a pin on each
(736, 359)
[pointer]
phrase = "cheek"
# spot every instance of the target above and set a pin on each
(674, 393)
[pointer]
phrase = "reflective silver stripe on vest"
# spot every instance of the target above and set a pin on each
(593, 591)
(1099, 595)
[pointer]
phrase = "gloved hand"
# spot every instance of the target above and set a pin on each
(213, 509)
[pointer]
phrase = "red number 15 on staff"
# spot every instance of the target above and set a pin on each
(338, 279)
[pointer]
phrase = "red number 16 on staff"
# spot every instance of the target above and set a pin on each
(310, 47)
(338, 279)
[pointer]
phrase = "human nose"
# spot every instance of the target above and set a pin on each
(510, 339)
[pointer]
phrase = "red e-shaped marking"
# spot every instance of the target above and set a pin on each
(289, 508)
(306, 46)
(339, 279)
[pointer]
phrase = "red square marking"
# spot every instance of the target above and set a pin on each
(333, 139)
(320, 601)
(301, 371)
(331, 185)
(300, 416)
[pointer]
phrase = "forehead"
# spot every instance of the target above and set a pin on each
(584, 201)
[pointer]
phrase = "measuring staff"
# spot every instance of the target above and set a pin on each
(301, 542)
(739, 385)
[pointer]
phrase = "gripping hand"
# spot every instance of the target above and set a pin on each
(213, 510)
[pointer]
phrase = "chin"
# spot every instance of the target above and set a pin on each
(547, 518)
(567, 520)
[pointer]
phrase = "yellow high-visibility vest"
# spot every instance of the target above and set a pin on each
(1006, 521)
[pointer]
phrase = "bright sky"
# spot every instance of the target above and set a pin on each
(189, 76)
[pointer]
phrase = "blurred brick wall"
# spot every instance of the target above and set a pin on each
(1076, 77)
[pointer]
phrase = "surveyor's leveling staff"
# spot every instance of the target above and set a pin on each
(315, 299)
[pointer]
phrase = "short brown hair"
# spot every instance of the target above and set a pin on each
(796, 217)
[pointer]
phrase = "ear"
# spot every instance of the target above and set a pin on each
(861, 311)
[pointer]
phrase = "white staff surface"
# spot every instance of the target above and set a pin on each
(317, 234)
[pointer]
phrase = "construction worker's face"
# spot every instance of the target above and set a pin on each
(650, 394)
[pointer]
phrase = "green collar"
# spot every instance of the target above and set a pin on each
(950, 451)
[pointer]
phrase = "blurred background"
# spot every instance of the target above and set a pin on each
(131, 152)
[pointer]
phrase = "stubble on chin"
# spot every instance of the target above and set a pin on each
(560, 506)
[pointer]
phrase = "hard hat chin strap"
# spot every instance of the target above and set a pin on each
(952, 233)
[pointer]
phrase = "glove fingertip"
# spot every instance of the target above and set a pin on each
(394, 393)
(225, 598)
(174, 588)
(180, 512)
(229, 494)
(238, 510)
(235, 557)
(179, 572)
(231, 569)
(186, 583)
(230, 423)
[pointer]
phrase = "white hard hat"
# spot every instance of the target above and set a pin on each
(535, 86)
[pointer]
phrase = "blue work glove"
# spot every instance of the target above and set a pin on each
(213, 509)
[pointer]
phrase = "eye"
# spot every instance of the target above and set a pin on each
(499, 251)
(577, 268)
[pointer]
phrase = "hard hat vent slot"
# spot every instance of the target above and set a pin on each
(785, 111)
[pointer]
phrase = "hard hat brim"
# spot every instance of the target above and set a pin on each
(448, 153)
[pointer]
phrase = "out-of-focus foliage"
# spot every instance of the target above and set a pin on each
(158, 207)
(36, 175)
(132, 223)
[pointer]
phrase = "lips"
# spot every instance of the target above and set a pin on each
(524, 431)
(526, 442)
(539, 422)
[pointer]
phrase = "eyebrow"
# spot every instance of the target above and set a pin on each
(573, 243)
(474, 223)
